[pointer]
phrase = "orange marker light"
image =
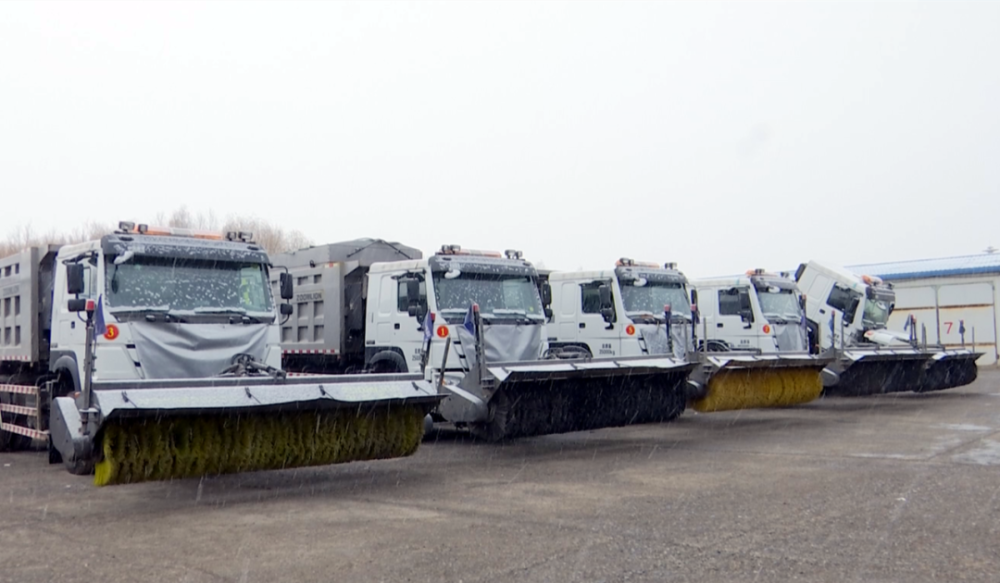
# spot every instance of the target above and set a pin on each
(111, 332)
(767, 329)
(630, 329)
(442, 331)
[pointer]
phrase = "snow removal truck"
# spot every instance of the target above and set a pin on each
(473, 323)
(642, 308)
(847, 317)
(153, 354)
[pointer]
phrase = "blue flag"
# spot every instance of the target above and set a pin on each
(428, 326)
(99, 326)
(470, 322)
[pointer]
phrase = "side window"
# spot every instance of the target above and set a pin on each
(89, 281)
(735, 302)
(403, 300)
(591, 297)
(844, 300)
(729, 302)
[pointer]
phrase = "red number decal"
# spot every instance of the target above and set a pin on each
(948, 324)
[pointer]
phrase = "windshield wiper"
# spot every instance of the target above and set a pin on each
(140, 309)
(234, 311)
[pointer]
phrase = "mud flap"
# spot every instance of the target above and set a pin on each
(949, 369)
(548, 397)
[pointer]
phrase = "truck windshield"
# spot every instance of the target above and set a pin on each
(876, 312)
(652, 297)
(497, 295)
(779, 303)
(167, 283)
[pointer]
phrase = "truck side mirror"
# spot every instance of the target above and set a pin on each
(74, 279)
(694, 297)
(605, 293)
(746, 316)
(285, 309)
(608, 314)
(286, 285)
(802, 302)
(76, 305)
(546, 294)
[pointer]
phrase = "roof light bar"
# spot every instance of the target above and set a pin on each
(626, 262)
(457, 250)
(143, 229)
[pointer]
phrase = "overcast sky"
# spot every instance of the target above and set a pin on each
(720, 136)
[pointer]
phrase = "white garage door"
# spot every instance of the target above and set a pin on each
(971, 303)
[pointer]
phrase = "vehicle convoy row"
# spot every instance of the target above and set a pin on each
(156, 353)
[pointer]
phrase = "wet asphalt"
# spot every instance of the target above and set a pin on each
(902, 487)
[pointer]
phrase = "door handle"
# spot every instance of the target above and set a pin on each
(583, 325)
(396, 326)
(719, 325)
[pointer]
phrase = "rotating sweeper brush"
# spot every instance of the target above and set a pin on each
(252, 418)
(159, 430)
(731, 382)
(560, 394)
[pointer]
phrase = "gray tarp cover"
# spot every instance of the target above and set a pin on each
(505, 343)
(192, 351)
(791, 337)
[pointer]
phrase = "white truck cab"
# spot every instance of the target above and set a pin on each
(162, 293)
(621, 311)
(758, 311)
(403, 296)
(860, 304)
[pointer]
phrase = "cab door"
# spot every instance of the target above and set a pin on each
(598, 320)
(734, 322)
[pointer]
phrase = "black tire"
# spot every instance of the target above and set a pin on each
(80, 467)
(496, 426)
(387, 362)
(54, 456)
(717, 346)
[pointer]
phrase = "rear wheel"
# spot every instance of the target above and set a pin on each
(387, 362)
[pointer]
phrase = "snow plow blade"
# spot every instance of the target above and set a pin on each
(949, 369)
(138, 431)
(754, 382)
(522, 399)
(876, 372)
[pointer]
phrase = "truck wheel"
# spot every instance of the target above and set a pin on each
(495, 428)
(387, 362)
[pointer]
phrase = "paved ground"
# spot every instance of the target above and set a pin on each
(899, 488)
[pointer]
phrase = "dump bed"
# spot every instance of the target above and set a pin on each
(26, 304)
(330, 293)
